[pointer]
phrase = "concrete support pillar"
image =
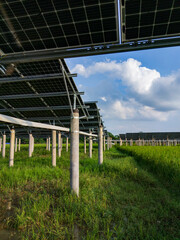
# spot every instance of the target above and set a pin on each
(19, 145)
(30, 144)
(126, 142)
(175, 142)
(67, 144)
(110, 143)
(100, 145)
(107, 143)
(4, 146)
(49, 144)
(131, 142)
(15, 144)
(74, 153)
(104, 138)
(47, 140)
(120, 142)
(54, 148)
(90, 145)
(85, 144)
(11, 152)
(59, 144)
(0, 144)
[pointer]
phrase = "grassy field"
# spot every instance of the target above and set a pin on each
(129, 197)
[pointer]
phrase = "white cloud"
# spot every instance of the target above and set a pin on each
(104, 99)
(130, 72)
(135, 94)
(132, 110)
(143, 84)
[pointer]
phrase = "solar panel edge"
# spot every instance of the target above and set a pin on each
(171, 31)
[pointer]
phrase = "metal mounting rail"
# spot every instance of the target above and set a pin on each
(32, 56)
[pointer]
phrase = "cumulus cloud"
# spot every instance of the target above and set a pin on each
(143, 84)
(130, 72)
(137, 95)
(132, 110)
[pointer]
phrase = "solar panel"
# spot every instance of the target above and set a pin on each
(155, 135)
(144, 19)
(47, 99)
(52, 24)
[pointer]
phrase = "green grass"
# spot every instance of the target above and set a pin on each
(122, 199)
(162, 161)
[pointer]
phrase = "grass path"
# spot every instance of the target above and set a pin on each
(118, 200)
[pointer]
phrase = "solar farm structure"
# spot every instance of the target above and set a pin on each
(36, 36)
(46, 93)
(38, 95)
(148, 139)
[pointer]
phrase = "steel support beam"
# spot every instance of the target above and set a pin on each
(33, 109)
(51, 118)
(34, 78)
(48, 54)
(38, 95)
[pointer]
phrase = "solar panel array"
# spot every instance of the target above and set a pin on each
(51, 24)
(153, 135)
(37, 91)
(144, 19)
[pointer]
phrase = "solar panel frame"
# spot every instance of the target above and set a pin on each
(149, 22)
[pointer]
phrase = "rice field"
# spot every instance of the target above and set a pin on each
(133, 195)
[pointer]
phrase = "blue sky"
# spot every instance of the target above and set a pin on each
(136, 91)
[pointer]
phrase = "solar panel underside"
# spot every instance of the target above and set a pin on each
(24, 95)
(30, 25)
(149, 19)
(37, 106)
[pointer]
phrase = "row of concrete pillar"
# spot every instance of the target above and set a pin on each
(15, 146)
(142, 142)
(74, 148)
